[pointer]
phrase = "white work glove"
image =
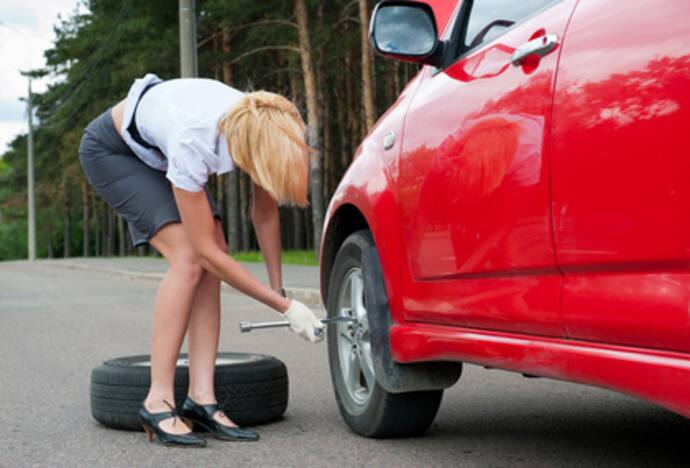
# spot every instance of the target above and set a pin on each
(304, 322)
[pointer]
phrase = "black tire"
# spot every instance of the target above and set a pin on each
(385, 414)
(251, 388)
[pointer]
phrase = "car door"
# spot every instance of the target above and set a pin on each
(621, 173)
(474, 187)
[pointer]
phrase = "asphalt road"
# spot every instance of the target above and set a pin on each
(57, 324)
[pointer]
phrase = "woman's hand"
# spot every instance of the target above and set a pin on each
(304, 322)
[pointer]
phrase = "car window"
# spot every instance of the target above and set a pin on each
(488, 19)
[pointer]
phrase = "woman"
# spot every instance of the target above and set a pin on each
(150, 157)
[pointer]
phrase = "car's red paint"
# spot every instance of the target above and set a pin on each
(537, 219)
(662, 377)
(474, 189)
(370, 185)
(621, 173)
(443, 12)
(637, 307)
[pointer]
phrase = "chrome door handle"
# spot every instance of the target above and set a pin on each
(540, 46)
(389, 140)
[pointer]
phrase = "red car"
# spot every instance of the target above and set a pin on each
(524, 205)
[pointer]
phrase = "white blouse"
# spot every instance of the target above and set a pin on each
(181, 117)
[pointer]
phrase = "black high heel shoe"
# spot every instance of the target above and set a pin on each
(151, 423)
(203, 416)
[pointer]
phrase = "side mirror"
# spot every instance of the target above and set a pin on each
(406, 31)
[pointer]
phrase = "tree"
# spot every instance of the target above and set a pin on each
(367, 83)
(315, 52)
(313, 130)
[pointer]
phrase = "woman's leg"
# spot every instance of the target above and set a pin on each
(171, 314)
(203, 335)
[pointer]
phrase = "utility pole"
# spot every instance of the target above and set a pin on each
(31, 204)
(30, 177)
(189, 67)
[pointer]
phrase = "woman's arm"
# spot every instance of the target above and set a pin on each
(267, 227)
(199, 228)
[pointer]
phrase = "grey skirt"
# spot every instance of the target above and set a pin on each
(140, 194)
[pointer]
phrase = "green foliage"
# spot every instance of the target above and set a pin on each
(291, 257)
(98, 53)
(13, 240)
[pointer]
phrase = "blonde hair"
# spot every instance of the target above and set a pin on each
(265, 137)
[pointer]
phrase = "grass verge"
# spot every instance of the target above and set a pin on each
(289, 257)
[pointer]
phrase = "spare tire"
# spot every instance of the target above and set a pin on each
(251, 388)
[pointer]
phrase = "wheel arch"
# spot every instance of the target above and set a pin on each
(345, 220)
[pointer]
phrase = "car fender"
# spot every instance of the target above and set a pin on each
(365, 199)
(392, 376)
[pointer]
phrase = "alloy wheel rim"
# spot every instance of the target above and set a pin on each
(354, 343)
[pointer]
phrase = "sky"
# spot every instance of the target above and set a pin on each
(35, 18)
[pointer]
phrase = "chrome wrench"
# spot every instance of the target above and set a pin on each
(249, 326)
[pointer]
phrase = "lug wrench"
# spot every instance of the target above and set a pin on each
(249, 326)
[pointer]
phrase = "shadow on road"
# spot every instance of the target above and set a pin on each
(625, 433)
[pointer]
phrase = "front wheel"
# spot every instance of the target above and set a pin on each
(366, 407)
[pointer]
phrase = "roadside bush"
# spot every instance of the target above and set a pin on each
(13, 240)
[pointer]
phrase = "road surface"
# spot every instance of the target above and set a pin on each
(57, 323)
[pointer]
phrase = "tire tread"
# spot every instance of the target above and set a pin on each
(387, 415)
(254, 392)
